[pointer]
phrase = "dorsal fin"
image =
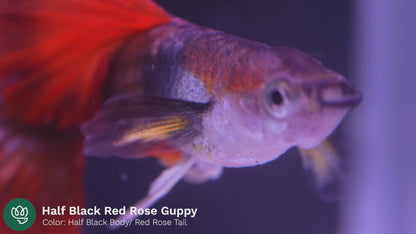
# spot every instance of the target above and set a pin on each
(54, 54)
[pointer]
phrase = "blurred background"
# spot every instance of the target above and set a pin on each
(383, 188)
(368, 41)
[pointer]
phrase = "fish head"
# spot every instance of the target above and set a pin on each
(305, 97)
(297, 102)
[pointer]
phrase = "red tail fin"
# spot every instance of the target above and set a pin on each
(54, 54)
(44, 166)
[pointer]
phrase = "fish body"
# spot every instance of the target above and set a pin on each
(130, 80)
(235, 78)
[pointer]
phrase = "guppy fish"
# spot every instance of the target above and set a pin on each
(125, 78)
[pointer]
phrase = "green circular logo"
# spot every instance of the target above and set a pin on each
(19, 214)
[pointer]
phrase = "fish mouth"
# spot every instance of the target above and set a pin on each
(337, 94)
(348, 101)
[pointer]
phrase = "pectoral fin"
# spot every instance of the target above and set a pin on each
(323, 163)
(131, 124)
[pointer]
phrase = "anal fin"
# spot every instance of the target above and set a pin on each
(160, 187)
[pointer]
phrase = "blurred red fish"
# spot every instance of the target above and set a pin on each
(125, 78)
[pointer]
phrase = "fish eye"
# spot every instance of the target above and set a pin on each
(278, 99)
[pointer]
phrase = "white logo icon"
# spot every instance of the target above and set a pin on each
(20, 214)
